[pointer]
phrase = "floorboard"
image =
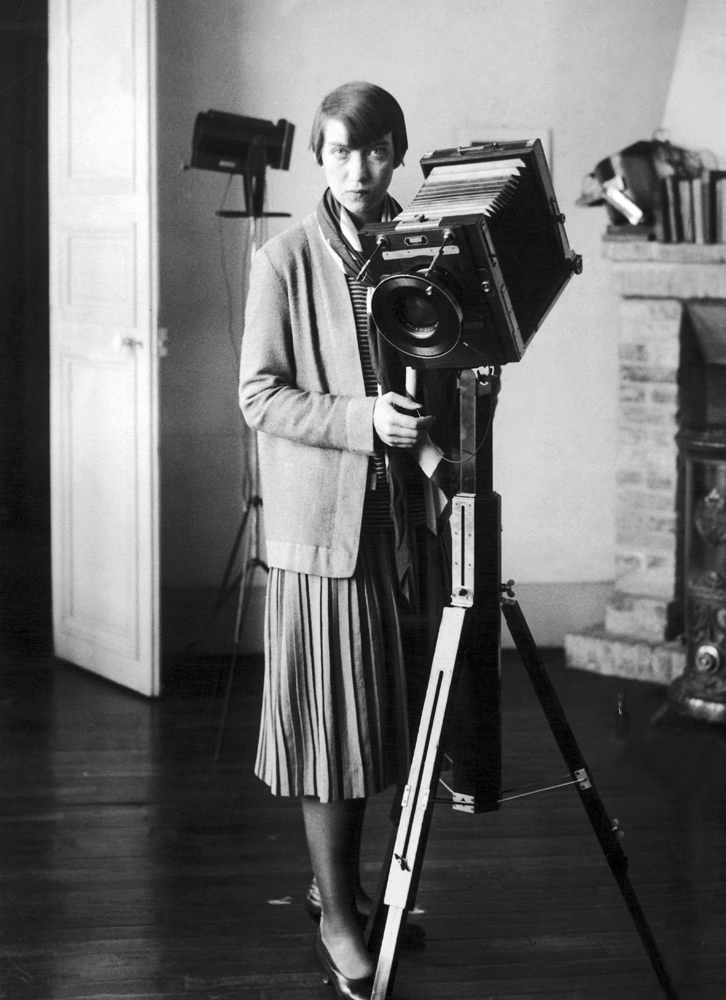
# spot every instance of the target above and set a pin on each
(133, 866)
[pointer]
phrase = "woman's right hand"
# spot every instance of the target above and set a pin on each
(395, 422)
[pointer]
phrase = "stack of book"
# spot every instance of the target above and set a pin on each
(693, 210)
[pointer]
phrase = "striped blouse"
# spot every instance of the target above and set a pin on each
(377, 504)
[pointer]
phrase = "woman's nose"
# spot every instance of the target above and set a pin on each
(358, 165)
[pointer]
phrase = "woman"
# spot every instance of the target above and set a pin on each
(343, 497)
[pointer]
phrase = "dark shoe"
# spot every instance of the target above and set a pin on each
(346, 989)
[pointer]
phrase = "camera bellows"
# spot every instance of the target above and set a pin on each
(463, 188)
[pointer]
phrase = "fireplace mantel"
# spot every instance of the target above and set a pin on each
(683, 271)
(656, 282)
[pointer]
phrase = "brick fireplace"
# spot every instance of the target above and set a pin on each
(662, 288)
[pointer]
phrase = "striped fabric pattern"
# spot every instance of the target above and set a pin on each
(359, 298)
(334, 722)
(377, 507)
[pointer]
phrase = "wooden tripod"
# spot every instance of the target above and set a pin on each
(467, 655)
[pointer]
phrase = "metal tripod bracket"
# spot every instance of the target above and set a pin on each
(462, 551)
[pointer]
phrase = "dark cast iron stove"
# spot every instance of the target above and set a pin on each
(700, 692)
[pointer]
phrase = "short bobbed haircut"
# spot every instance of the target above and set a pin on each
(368, 113)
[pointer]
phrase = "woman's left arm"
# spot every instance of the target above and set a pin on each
(270, 397)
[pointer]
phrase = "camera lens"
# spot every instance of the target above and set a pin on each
(415, 313)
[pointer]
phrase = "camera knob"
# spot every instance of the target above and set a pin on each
(708, 659)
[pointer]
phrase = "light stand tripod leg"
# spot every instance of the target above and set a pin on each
(248, 549)
(241, 616)
(418, 800)
(229, 581)
(605, 831)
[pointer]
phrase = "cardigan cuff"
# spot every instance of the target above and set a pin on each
(359, 424)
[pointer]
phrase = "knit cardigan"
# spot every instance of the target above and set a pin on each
(301, 388)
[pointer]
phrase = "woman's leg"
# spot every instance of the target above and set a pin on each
(363, 902)
(333, 834)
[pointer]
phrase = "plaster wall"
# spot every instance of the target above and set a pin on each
(203, 440)
(694, 115)
(592, 74)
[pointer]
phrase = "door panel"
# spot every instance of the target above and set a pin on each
(103, 292)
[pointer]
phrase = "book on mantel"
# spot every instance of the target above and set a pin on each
(693, 210)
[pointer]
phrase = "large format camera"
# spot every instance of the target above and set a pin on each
(465, 276)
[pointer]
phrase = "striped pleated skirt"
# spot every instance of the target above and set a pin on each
(334, 717)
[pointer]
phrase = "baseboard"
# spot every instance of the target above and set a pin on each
(553, 610)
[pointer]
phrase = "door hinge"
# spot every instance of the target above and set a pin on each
(162, 342)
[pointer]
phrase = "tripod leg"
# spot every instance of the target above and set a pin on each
(241, 615)
(227, 586)
(600, 821)
(376, 922)
(388, 955)
(249, 562)
(418, 800)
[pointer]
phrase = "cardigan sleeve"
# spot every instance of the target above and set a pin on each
(270, 398)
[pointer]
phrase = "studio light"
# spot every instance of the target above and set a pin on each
(235, 144)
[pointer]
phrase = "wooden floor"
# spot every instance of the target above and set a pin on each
(134, 865)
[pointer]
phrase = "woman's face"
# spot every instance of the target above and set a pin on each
(358, 178)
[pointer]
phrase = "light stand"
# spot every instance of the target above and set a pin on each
(247, 548)
(245, 553)
(468, 644)
(237, 144)
(253, 182)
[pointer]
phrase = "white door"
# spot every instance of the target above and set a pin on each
(103, 299)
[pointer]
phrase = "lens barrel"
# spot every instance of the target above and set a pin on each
(417, 314)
